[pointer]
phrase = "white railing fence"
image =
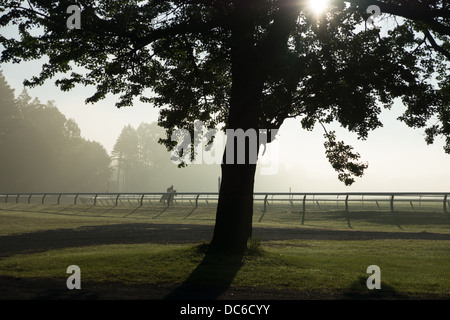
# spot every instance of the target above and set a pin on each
(300, 202)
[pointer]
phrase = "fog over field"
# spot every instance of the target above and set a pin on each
(399, 158)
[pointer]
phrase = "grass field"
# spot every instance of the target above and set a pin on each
(307, 268)
(417, 268)
(59, 216)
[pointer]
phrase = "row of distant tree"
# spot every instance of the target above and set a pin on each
(141, 163)
(43, 151)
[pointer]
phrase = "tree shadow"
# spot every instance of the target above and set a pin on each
(359, 290)
(189, 213)
(211, 278)
(161, 212)
(132, 211)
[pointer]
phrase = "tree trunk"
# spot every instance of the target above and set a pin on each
(235, 207)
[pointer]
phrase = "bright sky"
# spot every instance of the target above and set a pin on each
(318, 6)
(399, 159)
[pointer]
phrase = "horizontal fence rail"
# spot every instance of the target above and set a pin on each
(299, 202)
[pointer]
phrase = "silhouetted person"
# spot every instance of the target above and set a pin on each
(168, 196)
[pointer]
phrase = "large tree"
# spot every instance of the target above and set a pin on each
(248, 64)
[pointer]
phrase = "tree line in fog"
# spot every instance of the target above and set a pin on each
(43, 151)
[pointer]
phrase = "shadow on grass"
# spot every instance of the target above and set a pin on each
(359, 290)
(401, 218)
(212, 277)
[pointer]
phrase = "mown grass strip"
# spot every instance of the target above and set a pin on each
(407, 266)
(16, 219)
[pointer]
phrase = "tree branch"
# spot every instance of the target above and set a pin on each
(409, 10)
(435, 46)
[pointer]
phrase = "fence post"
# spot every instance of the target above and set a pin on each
(265, 207)
(117, 199)
(59, 197)
(43, 198)
(142, 199)
(95, 199)
(196, 201)
(445, 204)
(392, 203)
(29, 198)
(304, 209)
(265, 202)
(17, 198)
(347, 217)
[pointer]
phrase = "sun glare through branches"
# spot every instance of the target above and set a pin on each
(318, 6)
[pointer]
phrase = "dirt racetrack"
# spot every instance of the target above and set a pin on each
(21, 288)
(130, 233)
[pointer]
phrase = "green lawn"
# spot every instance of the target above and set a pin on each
(20, 218)
(408, 267)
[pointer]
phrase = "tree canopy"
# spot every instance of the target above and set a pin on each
(316, 69)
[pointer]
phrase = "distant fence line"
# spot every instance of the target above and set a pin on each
(266, 199)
